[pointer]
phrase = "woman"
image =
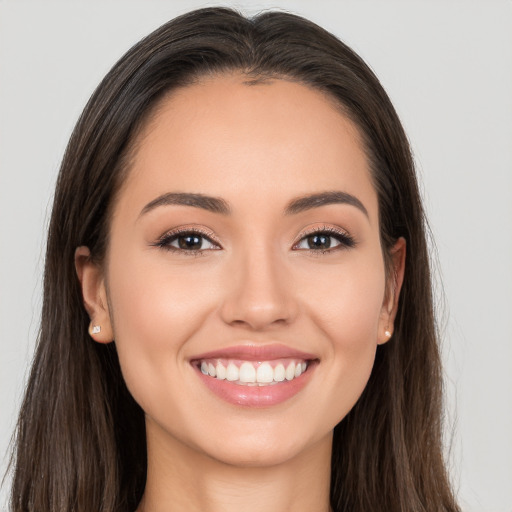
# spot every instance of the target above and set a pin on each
(237, 208)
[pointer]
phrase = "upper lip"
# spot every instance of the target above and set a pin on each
(252, 352)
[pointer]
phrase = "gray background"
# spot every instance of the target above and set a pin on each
(448, 68)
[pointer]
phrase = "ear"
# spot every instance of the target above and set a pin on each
(94, 294)
(393, 287)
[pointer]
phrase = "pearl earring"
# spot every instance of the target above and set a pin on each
(96, 329)
(388, 334)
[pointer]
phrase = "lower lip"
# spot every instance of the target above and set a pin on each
(257, 396)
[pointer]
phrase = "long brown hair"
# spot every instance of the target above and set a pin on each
(80, 443)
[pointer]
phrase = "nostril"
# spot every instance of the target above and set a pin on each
(259, 319)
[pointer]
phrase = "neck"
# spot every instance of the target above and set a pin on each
(181, 478)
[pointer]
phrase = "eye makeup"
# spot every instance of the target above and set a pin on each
(194, 240)
(188, 240)
(319, 239)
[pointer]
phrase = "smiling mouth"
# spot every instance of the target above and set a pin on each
(253, 373)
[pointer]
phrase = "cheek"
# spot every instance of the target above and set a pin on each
(154, 299)
(347, 300)
(156, 308)
(346, 305)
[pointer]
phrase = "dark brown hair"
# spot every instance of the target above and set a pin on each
(80, 443)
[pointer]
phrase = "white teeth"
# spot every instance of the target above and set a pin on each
(253, 373)
(247, 373)
(265, 373)
(279, 373)
(232, 373)
(221, 371)
(290, 371)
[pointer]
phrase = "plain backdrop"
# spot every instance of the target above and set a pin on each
(447, 66)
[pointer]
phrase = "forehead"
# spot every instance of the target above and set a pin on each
(224, 135)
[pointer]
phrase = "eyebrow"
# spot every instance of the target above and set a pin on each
(218, 205)
(324, 198)
(211, 204)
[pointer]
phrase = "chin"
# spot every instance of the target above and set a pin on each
(258, 450)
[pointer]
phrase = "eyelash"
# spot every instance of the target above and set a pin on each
(345, 240)
(165, 241)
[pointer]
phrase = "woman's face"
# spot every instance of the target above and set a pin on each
(245, 279)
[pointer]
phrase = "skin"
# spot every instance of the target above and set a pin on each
(257, 147)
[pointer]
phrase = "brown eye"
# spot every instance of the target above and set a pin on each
(319, 241)
(325, 240)
(190, 242)
(187, 241)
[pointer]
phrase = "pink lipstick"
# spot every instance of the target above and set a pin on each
(255, 375)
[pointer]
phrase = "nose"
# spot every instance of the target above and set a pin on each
(259, 292)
